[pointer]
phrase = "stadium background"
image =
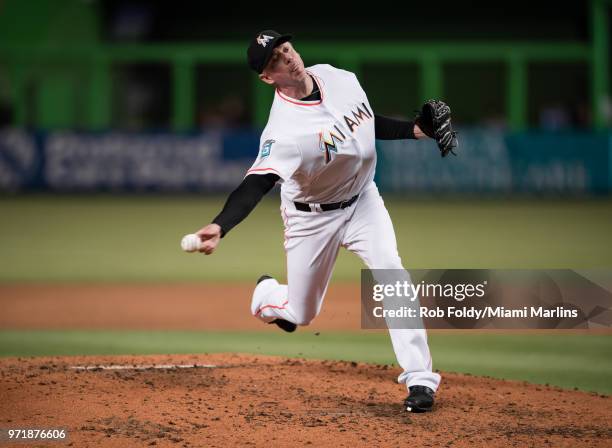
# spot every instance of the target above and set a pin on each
(125, 123)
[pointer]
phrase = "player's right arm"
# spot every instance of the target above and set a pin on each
(240, 203)
(275, 161)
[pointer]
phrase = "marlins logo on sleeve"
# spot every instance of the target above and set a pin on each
(276, 156)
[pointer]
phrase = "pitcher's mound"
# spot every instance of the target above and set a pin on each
(242, 400)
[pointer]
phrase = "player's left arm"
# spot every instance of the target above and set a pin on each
(433, 121)
(386, 128)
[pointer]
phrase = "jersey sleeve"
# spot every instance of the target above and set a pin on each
(277, 157)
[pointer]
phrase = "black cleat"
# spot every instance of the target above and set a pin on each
(289, 327)
(285, 325)
(421, 399)
(262, 278)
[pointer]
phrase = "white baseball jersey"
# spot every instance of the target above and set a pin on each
(324, 151)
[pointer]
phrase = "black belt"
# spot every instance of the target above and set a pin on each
(303, 207)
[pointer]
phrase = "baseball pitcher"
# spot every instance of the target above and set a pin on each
(319, 143)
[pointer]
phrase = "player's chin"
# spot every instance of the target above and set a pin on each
(299, 74)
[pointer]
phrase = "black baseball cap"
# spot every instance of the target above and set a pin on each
(261, 48)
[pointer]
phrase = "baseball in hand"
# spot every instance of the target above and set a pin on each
(191, 243)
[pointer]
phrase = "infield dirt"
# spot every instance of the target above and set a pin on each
(248, 400)
(269, 401)
(155, 306)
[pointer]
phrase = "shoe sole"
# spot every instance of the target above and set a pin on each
(285, 325)
(418, 410)
(262, 278)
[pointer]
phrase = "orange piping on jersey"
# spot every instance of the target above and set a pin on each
(305, 103)
(286, 227)
(263, 169)
(282, 307)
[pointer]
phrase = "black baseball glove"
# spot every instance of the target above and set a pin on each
(434, 119)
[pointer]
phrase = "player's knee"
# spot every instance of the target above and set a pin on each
(386, 261)
(303, 322)
(303, 317)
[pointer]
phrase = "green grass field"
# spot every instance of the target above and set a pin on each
(136, 239)
(583, 361)
(105, 238)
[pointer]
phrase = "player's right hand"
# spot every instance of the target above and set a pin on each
(210, 236)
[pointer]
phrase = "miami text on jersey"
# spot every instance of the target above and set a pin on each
(330, 140)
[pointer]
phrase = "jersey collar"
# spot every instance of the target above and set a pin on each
(304, 103)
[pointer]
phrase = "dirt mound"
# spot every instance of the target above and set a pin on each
(228, 400)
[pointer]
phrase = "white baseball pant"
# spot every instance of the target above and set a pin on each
(312, 242)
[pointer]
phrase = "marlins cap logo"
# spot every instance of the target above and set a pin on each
(263, 39)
